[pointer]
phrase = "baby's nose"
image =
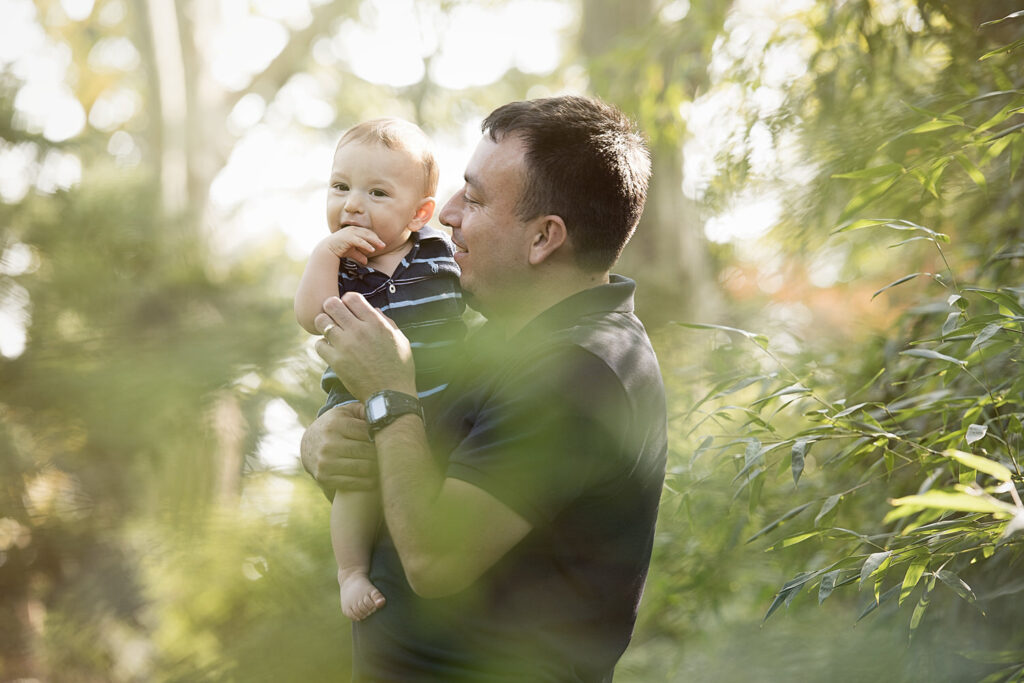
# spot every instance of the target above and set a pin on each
(353, 204)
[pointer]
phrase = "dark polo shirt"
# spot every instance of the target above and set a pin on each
(564, 423)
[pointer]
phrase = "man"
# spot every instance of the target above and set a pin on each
(519, 512)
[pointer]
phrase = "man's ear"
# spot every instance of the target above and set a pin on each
(423, 213)
(551, 235)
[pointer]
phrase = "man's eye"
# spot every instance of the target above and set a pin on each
(468, 200)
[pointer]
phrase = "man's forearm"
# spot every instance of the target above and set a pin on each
(410, 486)
(448, 532)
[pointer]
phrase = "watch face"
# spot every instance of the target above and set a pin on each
(376, 408)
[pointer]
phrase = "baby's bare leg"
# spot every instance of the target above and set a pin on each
(354, 519)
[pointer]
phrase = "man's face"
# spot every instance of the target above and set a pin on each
(492, 244)
(377, 188)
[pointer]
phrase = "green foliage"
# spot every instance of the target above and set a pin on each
(914, 499)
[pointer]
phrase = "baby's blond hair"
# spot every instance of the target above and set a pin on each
(398, 134)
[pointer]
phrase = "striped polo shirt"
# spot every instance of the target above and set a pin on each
(424, 299)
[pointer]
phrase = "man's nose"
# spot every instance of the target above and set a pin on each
(451, 214)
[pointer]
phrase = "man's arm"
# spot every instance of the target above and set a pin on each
(447, 532)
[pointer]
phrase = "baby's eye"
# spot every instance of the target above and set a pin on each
(378, 193)
(340, 187)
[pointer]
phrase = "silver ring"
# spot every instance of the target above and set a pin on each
(327, 329)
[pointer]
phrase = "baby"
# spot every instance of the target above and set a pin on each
(379, 200)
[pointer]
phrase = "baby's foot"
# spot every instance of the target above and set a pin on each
(359, 597)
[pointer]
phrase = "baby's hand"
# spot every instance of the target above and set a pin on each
(353, 242)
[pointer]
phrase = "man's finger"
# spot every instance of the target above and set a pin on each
(359, 307)
(340, 311)
(351, 467)
(324, 349)
(348, 420)
(322, 322)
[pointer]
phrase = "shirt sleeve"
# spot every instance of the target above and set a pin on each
(547, 434)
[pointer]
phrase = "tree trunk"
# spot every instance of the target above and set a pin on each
(667, 255)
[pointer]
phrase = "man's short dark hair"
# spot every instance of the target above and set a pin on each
(586, 163)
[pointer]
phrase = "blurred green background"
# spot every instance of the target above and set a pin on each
(836, 203)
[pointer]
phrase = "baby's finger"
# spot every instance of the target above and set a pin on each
(367, 236)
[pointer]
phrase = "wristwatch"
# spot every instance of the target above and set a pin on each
(386, 406)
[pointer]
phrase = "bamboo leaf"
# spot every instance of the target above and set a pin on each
(873, 172)
(922, 606)
(780, 598)
(935, 124)
(860, 224)
(798, 453)
(874, 604)
(903, 224)
(914, 573)
(983, 336)
(704, 445)
(905, 278)
(975, 432)
(788, 592)
(957, 584)
(934, 355)
(960, 502)
(794, 540)
(916, 238)
(866, 196)
(973, 171)
(977, 462)
(1001, 50)
(1016, 157)
(785, 391)
(934, 176)
(790, 514)
(758, 339)
(997, 118)
(828, 506)
(848, 411)
(753, 458)
(871, 565)
(1014, 15)
(950, 323)
(828, 584)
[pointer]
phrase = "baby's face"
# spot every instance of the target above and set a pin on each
(377, 188)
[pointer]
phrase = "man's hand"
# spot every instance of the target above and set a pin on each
(364, 347)
(336, 450)
(353, 242)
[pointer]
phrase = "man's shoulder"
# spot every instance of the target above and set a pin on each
(616, 337)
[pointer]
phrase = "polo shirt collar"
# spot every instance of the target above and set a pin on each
(616, 296)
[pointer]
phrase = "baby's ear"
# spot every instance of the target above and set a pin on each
(423, 213)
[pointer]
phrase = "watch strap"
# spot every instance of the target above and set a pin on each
(395, 404)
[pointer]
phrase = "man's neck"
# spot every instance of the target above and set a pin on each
(533, 301)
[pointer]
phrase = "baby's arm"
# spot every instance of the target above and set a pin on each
(354, 519)
(320, 279)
